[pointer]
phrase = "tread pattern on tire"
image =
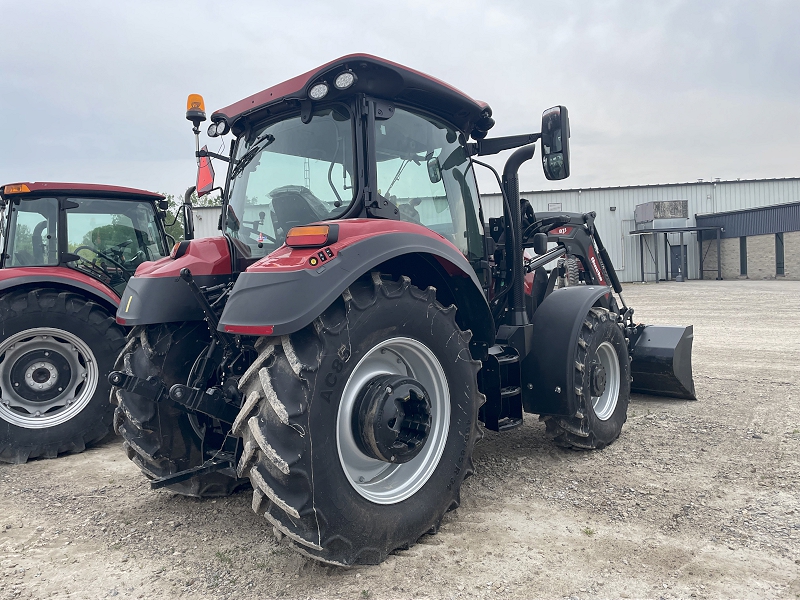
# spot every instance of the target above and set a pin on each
(575, 432)
(275, 457)
(573, 273)
(17, 302)
(158, 437)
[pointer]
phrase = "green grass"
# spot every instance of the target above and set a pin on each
(223, 557)
(588, 531)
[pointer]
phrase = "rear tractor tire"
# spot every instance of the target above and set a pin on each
(56, 349)
(161, 437)
(603, 376)
(359, 429)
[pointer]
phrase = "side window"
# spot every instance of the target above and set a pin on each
(32, 239)
(425, 171)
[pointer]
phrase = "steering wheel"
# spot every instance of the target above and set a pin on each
(106, 257)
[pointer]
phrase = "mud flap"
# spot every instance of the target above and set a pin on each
(662, 362)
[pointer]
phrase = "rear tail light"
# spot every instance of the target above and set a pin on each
(312, 236)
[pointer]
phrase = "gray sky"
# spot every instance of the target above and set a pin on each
(657, 92)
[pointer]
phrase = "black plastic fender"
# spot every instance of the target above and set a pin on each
(287, 301)
(548, 370)
(151, 300)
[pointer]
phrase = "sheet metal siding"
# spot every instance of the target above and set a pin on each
(206, 221)
(761, 221)
(705, 197)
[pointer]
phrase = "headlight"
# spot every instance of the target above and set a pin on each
(318, 91)
(344, 80)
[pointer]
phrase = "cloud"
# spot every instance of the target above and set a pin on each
(657, 91)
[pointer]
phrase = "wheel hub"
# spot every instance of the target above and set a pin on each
(598, 379)
(40, 375)
(392, 418)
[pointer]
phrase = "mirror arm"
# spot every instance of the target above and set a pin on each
(206, 153)
(495, 145)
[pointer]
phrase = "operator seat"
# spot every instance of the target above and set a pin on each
(38, 243)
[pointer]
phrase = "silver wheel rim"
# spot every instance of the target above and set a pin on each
(605, 404)
(375, 480)
(74, 392)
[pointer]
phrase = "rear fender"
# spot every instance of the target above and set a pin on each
(58, 277)
(156, 294)
(287, 290)
(548, 373)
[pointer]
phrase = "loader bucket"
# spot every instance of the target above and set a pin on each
(662, 362)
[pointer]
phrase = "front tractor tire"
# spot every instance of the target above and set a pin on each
(603, 378)
(359, 429)
(161, 438)
(56, 348)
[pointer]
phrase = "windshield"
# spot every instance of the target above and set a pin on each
(425, 170)
(297, 173)
(112, 237)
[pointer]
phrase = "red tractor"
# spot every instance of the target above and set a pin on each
(68, 251)
(342, 341)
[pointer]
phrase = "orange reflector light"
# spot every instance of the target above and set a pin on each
(18, 188)
(312, 236)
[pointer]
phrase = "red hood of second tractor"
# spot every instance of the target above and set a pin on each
(205, 256)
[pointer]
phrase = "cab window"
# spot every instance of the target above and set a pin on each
(424, 170)
(32, 239)
(112, 237)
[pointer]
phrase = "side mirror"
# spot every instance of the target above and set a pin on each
(188, 215)
(555, 143)
(205, 175)
(163, 204)
(434, 170)
(540, 243)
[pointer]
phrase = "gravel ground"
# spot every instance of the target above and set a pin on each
(696, 499)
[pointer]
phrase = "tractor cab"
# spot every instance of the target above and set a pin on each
(105, 232)
(328, 145)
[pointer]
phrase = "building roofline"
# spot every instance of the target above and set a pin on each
(745, 210)
(655, 185)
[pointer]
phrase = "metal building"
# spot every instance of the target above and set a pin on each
(756, 243)
(616, 219)
(725, 204)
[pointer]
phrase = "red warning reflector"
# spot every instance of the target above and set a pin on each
(249, 329)
(205, 175)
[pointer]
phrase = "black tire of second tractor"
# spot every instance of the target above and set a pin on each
(159, 437)
(25, 309)
(573, 272)
(299, 484)
(587, 431)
